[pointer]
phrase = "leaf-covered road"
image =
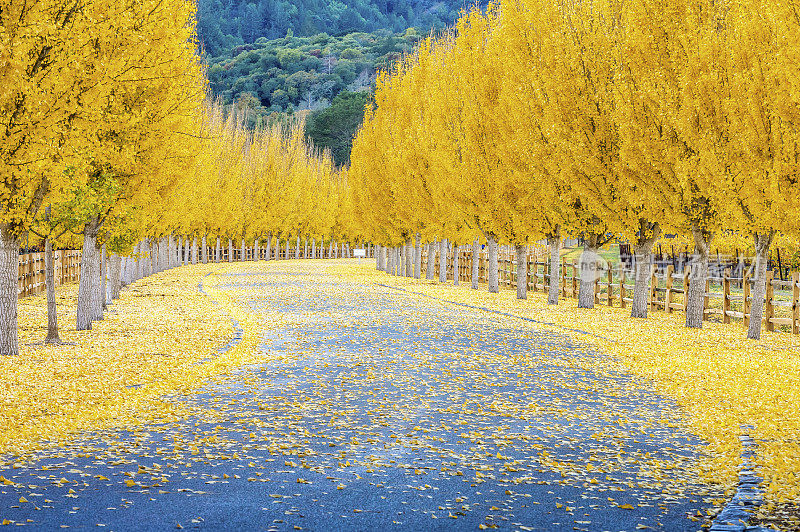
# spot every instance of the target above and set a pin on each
(374, 409)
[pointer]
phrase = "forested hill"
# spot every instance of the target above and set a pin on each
(224, 24)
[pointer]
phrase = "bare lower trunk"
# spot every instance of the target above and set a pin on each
(313, 248)
(409, 258)
(455, 265)
(268, 252)
(475, 264)
(98, 297)
(116, 275)
(104, 278)
(763, 241)
(492, 277)
(170, 262)
(230, 250)
(390, 266)
(89, 267)
(256, 251)
(642, 273)
(402, 261)
(431, 261)
(554, 243)
(643, 251)
(305, 248)
(9, 285)
(378, 265)
(50, 286)
(522, 272)
(297, 248)
(588, 267)
(697, 279)
(417, 256)
(218, 251)
(243, 253)
(443, 261)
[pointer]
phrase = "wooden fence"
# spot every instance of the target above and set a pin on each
(66, 263)
(726, 297)
(276, 253)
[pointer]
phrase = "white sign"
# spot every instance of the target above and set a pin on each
(359, 253)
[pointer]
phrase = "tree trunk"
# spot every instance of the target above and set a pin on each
(137, 274)
(554, 243)
(218, 251)
(431, 261)
(170, 262)
(297, 248)
(697, 279)
(9, 286)
(443, 261)
(455, 265)
(492, 277)
(243, 252)
(287, 248)
(588, 265)
(230, 250)
(313, 248)
(475, 263)
(643, 251)
(50, 286)
(256, 251)
(390, 261)
(763, 241)
(642, 274)
(417, 256)
(268, 252)
(409, 247)
(116, 276)
(402, 265)
(522, 272)
(89, 270)
(98, 297)
(104, 278)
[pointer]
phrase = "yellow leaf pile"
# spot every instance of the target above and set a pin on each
(161, 336)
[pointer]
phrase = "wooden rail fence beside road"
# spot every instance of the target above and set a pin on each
(66, 263)
(726, 298)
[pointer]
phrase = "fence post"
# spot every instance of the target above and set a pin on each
(795, 297)
(534, 273)
(574, 277)
(563, 278)
(746, 299)
(726, 296)
(705, 297)
(770, 309)
(685, 289)
(610, 287)
(653, 287)
(668, 292)
(622, 294)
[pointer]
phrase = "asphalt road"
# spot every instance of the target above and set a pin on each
(376, 409)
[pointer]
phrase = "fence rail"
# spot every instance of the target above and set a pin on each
(66, 263)
(726, 298)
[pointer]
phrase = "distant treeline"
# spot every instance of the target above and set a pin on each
(224, 24)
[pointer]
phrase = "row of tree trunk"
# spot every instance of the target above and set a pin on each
(103, 275)
(405, 260)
